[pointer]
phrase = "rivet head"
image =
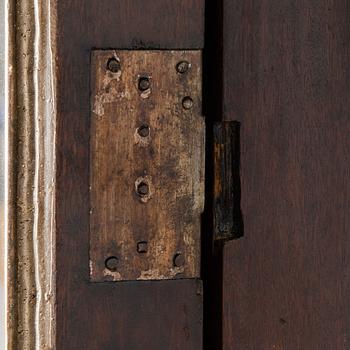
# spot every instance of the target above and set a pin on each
(144, 83)
(182, 67)
(143, 130)
(143, 189)
(111, 263)
(187, 102)
(179, 260)
(113, 65)
(142, 247)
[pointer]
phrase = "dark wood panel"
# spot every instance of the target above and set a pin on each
(141, 315)
(287, 80)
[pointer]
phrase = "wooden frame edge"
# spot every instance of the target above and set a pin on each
(31, 175)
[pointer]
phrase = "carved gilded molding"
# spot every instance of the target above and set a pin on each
(31, 180)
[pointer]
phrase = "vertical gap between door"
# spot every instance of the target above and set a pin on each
(212, 262)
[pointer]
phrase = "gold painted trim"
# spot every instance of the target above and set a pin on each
(31, 174)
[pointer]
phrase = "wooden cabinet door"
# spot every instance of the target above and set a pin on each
(279, 69)
(101, 313)
(286, 80)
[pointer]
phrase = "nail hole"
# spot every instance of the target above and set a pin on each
(111, 263)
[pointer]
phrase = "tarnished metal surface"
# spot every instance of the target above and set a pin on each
(31, 197)
(227, 216)
(146, 165)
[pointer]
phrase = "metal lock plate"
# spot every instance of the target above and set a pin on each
(146, 165)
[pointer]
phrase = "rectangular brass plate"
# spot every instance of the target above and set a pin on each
(146, 165)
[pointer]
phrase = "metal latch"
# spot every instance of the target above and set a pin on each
(146, 164)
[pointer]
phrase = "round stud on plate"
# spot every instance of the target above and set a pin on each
(179, 260)
(113, 65)
(144, 83)
(143, 189)
(187, 103)
(182, 67)
(111, 263)
(143, 130)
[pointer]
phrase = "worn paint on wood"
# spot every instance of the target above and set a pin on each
(146, 165)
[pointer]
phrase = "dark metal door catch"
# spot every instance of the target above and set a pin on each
(228, 223)
(147, 148)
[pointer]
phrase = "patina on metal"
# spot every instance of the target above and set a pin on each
(146, 165)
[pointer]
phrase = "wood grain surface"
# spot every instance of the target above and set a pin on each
(144, 139)
(286, 79)
(127, 315)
